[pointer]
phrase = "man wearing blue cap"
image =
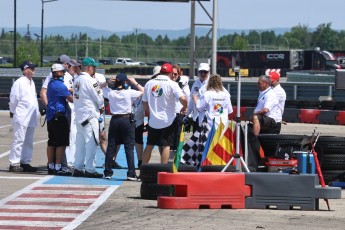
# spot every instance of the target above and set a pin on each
(88, 105)
(24, 110)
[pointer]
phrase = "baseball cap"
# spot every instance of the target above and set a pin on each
(121, 77)
(166, 68)
(89, 62)
(204, 66)
(27, 64)
(64, 59)
(274, 76)
(156, 70)
(57, 67)
(75, 63)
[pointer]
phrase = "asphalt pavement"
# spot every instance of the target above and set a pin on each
(122, 208)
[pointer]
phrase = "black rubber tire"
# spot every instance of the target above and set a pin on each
(269, 142)
(333, 162)
(149, 172)
(150, 191)
(332, 175)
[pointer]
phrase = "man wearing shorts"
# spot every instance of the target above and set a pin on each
(159, 103)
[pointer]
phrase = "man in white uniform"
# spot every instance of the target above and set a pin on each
(159, 103)
(281, 96)
(266, 112)
(88, 105)
(198, 88)
(24, 110)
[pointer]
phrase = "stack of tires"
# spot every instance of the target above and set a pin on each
(149, 189)
(330, 150)
(331, 154)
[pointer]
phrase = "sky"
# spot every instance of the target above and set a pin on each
(127, 15)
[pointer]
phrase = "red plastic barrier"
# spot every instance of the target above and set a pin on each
(309, 116)
(212, 190)
(232, 116)
(341, 118)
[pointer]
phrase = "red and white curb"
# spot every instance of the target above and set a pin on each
(52, 206)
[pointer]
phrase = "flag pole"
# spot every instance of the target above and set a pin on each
(237, 155)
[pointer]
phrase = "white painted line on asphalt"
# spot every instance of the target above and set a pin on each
(1, 127)
(8, 152)
(88, 212)
(21, 177)
(24, 190)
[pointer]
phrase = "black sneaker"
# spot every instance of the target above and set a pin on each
(77, 173)
(115, 165)
(15, 168)
(51, 171)
(93, 175)
(28, 168)
(62, 172)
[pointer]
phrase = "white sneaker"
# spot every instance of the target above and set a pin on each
(108, 177)
(131, 178)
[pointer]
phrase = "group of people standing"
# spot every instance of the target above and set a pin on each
(73, 95)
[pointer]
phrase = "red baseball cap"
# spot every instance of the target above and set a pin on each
(274, 76)
(166, 68)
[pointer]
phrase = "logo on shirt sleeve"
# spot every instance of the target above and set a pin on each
(156, 91)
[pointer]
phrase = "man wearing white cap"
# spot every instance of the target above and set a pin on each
(198, 88)
(57, 122)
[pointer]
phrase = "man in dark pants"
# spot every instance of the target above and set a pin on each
(57, 122)
(122, 124)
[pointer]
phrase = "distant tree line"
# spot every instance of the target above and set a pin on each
(142, 47)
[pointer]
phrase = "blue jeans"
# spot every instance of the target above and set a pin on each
(121, 131)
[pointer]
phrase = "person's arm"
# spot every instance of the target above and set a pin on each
(146, 108)
(43, 95)
(183, 101)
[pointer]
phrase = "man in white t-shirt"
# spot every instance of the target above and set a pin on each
(281, 96)
(198, 88)
(265, 115)
(159, 100)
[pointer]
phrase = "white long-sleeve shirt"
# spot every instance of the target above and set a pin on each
(198, 88)
(23, 102)
(87, 97)
(281, 96)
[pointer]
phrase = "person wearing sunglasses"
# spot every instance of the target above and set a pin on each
(24, 111)
(198, 88)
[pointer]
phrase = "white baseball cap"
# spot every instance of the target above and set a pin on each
(204, 66)
(57, 67)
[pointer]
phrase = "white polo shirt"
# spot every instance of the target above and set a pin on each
(87, 97)
(120, 101)
(198, 88)
(216, 104)
(161, 93)
(23, 102)
(186, 91)
(281, 96)
(267, 99)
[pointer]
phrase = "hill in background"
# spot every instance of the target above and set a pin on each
(67, 31)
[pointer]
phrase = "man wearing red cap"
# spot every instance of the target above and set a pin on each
(159, 102)
(281, 96)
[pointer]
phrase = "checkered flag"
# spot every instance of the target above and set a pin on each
(193, 149)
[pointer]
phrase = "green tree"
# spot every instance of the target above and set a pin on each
(324, 37)
(240, 43)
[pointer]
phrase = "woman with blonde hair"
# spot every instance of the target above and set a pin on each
(215, 101)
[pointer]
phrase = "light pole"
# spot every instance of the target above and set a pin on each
(42, 22)
(15, 35)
